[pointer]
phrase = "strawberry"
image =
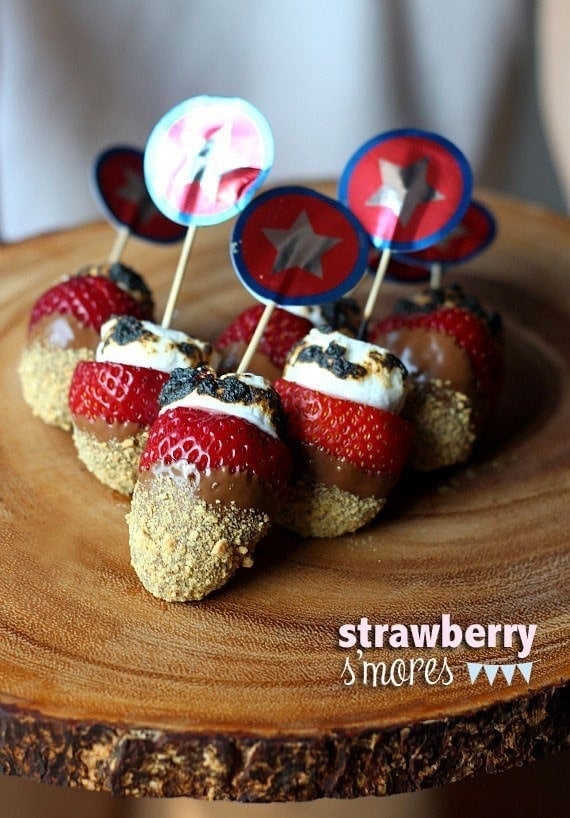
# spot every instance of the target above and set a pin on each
(371, 439)
(131, 282)
(90, 299)
(212, 440)
(116, 392)
(461, 318)
(283, 330)
(209, 482)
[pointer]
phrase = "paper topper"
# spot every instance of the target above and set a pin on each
(120, 190)
(402, 271)
(206, 157)
(409, 188)
(472, 235)
(294, 246)
(407, 272)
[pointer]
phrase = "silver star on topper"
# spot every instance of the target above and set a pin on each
(134, 191)
(299, 246)
(403, 188)
(215, 157)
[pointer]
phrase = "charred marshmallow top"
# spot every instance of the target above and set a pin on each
(349, 369)
(249, 397)
(126, 340)
(343, 314)
(124, 277)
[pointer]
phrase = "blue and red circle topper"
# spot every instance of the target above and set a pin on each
(406, 272)
(120, 190)
(206, 158)
(471, 236)
(403, 271)
(409, 188)
(293, 246)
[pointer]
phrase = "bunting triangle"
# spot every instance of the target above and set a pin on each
(525, 669)
(491, 671)
(508, 672)
(474, 669)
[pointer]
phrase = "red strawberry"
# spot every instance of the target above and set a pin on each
(470, 332)
(90, 299)
(211, 440)
(283, 330)
(116, 392)
(371, 439)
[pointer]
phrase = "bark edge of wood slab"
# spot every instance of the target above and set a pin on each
(153, 763)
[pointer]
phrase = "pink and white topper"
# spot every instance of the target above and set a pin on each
(204, 161)
(120, 190)
(206, 157)
(295, 246)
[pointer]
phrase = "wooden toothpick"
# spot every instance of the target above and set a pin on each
(178, 276)
(121, 239)
(373, 294)
(436, 271)
(256, 338)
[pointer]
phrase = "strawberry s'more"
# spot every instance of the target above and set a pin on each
(453, 350)
(342, 399)
(64, 329)
(210, 479)
(283, 330)
(285, 327)
(114, 399)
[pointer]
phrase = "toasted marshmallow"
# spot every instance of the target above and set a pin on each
(247, 396)
(347, 368)
(343, 315)
(127, 340)
(313, 313)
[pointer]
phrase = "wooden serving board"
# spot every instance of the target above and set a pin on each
(243, 696)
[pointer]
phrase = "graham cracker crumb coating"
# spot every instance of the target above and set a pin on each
(45, 374)
(114, 462)
(183, 548)
(315, 510)
(444, 432)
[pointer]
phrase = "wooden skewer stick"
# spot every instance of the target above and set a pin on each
(436, 271)
(255, 338)
(373, 294)
(178, 276)
(121, 239)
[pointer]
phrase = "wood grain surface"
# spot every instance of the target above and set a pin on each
(242, 696)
